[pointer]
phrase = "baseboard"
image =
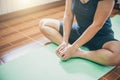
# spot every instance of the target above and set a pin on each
(30, 10)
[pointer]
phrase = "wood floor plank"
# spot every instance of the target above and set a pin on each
(48, 12)
(21, 42)
(117, 71)
(4, 46)
(6, 50)
(31, 31)
(56, 15)
(112, 76)
(12, 38)
(31, 17)
(26, 25)
(2, 27)
(37, 37)
(3, 43)
(103, 78)
(6, 32)
(18, 20)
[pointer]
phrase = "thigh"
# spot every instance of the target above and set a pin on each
(54, 23)
(113, 46)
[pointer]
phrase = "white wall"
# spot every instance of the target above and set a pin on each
(7, 6)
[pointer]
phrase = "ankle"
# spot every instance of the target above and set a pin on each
(80, 53)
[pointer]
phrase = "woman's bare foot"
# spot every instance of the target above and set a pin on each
(79, 53)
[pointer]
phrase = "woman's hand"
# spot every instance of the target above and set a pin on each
(61, 47)
(67, 52)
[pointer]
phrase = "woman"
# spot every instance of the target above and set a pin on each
(93, 30)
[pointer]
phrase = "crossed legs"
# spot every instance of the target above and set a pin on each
(108, 55)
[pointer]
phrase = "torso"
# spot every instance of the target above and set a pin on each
(84, 14)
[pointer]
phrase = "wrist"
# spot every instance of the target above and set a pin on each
(75, 46)
(65, 41)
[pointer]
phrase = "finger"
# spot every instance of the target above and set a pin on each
(57, 53)
(61, 54)
(59, 49)
(64, 58)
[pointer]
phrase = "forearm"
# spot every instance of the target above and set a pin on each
(87, 35)
(68, 20)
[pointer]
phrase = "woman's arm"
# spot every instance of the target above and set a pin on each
(103, 11)
(67, 20)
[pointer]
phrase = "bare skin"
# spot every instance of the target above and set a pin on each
(109, 54)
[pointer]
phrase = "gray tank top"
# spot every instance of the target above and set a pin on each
(84, 14)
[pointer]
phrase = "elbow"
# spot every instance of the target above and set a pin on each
(68, 16)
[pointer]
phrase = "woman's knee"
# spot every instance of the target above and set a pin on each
(114, 60)
(114, 48)
(42, 24)
(116, 56)
(52, 23)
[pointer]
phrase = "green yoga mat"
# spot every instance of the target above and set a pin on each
(43, 64)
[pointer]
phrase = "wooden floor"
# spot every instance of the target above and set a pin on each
(18, 31)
